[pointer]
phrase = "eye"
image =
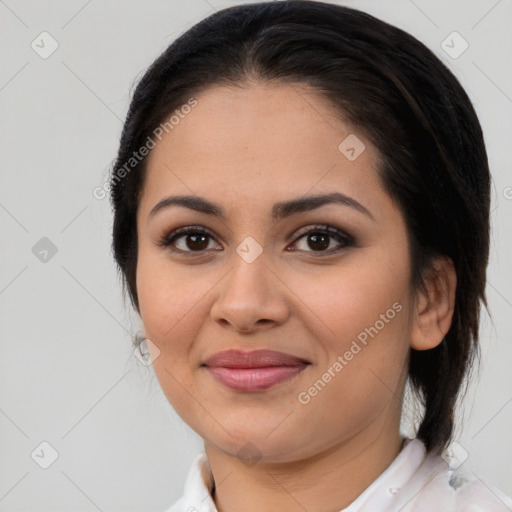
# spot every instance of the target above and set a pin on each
(319, 239)
(195, 239)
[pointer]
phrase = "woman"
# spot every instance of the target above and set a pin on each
(294, 220)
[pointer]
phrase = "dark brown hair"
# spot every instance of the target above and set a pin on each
(396, 92)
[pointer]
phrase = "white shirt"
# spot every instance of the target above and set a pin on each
(413, 482)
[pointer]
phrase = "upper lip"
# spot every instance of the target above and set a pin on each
(253, 359)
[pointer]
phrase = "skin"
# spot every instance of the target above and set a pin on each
(247, 148)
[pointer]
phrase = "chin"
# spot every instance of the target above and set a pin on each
(253, 446)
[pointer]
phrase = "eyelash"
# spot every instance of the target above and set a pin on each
(168, 239)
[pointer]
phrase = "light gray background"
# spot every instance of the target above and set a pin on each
(67, 373)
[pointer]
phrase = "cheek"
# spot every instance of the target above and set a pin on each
(347, 299)
(361, 372)
(170, 302)
(362, 315)
(169, 296)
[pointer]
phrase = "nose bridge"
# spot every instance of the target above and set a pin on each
(249, 250)
(250, 268)
(250, 291)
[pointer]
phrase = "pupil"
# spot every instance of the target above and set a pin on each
(201, 246)
(324, 242)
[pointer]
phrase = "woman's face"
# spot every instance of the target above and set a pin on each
(271, 278)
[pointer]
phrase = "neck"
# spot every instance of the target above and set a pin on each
(326, 482)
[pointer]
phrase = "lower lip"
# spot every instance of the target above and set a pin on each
(254, 379)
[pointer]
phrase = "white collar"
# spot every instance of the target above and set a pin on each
(413, 482)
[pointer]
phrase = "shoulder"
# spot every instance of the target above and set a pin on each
(197, 491)
(189, 503)
(182, 506)
(440, 487)
(480, 496)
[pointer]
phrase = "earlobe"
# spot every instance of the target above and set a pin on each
(434, 311)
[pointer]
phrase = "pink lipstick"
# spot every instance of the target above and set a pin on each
(253, 371)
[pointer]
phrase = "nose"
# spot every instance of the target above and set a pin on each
(251, 297)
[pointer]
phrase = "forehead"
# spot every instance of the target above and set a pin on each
(262, 142)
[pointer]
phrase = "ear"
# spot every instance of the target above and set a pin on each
(434, 312)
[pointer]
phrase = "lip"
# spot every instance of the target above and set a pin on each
(256, 370)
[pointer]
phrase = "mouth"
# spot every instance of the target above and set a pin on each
(253, 371)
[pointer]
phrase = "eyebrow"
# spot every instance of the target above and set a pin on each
(280, 210)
